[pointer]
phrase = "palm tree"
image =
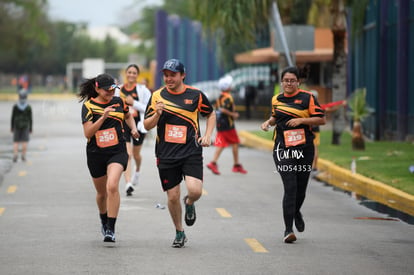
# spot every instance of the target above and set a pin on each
(339, 67)
(239, 19)
(358, 112)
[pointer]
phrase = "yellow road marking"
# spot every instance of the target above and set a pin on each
(204, 192)
(22, 173)
(223, 212)
(2, 210)
(11, 189)
(255, 245)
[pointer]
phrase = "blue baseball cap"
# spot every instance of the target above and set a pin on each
(174, 65)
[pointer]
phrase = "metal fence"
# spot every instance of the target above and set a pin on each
(381, 61)
(181, 38)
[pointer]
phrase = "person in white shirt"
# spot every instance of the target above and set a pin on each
(136, 96)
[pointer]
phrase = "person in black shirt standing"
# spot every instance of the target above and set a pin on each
(21, 125)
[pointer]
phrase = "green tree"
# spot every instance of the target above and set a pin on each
(144, 28)
(237, 21)
(53, 57)
(320, 14)
(110, 50)
(68, 42)
(22, 24)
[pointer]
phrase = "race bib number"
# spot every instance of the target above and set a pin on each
(106, 138)
(294, 137)
(175, 133)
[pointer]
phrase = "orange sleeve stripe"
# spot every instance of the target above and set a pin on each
(288, 113)
(200, 102)
(314, 110)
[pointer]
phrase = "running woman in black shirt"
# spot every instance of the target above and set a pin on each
(294, 112)
(102, 117)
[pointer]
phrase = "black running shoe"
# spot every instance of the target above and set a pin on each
(103, 229)
(299, 222)
(190, 214)
(180, 239)
(109, 236)
(289, 237)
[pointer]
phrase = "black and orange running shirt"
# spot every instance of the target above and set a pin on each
(124, 92)
(225, 122)
(178, 127)
(302, 104)
(109, 138)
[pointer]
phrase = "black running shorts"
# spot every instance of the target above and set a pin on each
(171, 172)
(98, 163)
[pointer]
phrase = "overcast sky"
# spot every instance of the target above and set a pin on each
(98, 13)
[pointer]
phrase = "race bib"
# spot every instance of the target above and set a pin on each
(294, 137)
(175, 133)
(106, 138)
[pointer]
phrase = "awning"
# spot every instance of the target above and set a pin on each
(269, 55)
(323, 51)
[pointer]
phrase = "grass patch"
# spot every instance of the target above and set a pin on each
(384, 161)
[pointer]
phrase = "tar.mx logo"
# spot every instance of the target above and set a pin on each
(282, 153)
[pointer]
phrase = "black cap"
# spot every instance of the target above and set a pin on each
(174, 65)
(105, 81)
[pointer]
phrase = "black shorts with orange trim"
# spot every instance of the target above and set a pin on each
(171, 172)
(98, 163)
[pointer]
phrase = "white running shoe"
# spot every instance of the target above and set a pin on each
(129, 189)
(135, 179)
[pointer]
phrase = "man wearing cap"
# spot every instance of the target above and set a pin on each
(226, 131)
(175, 110)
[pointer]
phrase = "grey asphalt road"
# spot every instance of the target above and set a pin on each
(49, 221)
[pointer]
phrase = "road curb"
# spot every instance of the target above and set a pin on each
(344, 179)
(251, 140)
(43, 96)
